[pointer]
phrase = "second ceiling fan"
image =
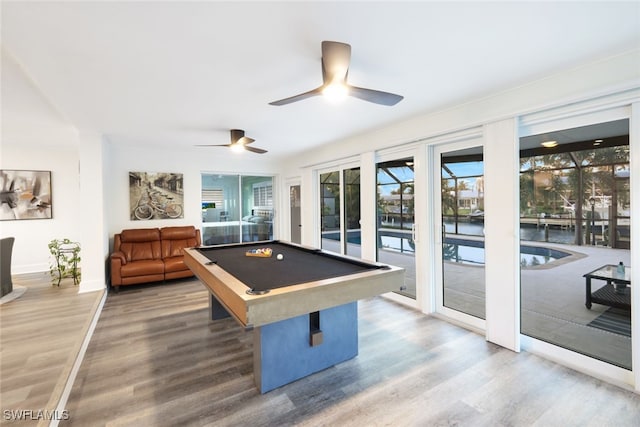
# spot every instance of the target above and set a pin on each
(336, 57)
(239, 142)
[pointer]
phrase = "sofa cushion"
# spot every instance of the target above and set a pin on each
(140, 244)
(140, 235)
(142, 268)
(173, 264)
(178, 233)
(175, 239)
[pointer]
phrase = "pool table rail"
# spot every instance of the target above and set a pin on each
(290, 301)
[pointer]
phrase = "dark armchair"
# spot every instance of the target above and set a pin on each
(6, 249)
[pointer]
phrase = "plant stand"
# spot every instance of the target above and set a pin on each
(67, 256)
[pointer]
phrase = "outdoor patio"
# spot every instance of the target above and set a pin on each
(553, 300)
(552, 295)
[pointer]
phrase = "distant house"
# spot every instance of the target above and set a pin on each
(468, 199)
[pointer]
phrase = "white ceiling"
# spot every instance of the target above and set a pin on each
(183, 73)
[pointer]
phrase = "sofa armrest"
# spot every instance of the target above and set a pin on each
(117, 261)
(118, 256)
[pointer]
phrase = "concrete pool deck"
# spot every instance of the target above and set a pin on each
(552, 295)
(553, 300)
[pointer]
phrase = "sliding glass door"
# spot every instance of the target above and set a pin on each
(351, 240)
(220, 209)
(236, 208)
(460, 218)
(396, 218)
(330, 201)
(340, 211)
(575, 226)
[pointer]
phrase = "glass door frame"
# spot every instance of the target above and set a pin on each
(549, 122)
(347, 214)
(438, 276)
(420, 231)
(288, 220)
(237, 206)
(340, 168)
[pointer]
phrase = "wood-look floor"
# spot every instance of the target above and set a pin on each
(41, 333)
(156, 360)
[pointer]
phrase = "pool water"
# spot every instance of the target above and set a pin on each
(457, 250)
(388, 239)
(472, 252)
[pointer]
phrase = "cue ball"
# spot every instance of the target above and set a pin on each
(280, 257)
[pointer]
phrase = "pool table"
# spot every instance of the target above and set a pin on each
(302, 309)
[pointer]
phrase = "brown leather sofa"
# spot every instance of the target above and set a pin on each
(145, 255)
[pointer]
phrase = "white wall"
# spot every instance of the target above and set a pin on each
(30, 252)
(35, 136)
(190, 163)
(32, 236)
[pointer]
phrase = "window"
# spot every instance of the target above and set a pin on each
(263, 195)
(212, 198)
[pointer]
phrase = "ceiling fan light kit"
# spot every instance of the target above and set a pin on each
(335, 92)
(237, 148)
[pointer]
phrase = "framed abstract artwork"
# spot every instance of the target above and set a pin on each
(25, 194)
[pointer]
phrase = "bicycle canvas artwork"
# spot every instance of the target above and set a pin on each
(155, 195)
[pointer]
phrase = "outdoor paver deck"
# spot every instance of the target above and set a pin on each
(552, 295)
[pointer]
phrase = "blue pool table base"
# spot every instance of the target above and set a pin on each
(294, 348)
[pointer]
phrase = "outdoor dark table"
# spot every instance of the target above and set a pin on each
(616, 292)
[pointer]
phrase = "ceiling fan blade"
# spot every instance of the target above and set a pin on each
(336, 57)
(214, 145)
(255, 150)
(300, 97)
(375, 96)
(245, 140)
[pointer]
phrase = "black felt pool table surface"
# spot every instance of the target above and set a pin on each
(299, 265)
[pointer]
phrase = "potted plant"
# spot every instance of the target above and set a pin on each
(66, 256)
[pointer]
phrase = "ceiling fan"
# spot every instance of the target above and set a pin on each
(335, 67)
(239, 142)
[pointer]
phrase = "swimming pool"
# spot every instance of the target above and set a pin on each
(472, 252)
(392, 240)
(457, 250)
